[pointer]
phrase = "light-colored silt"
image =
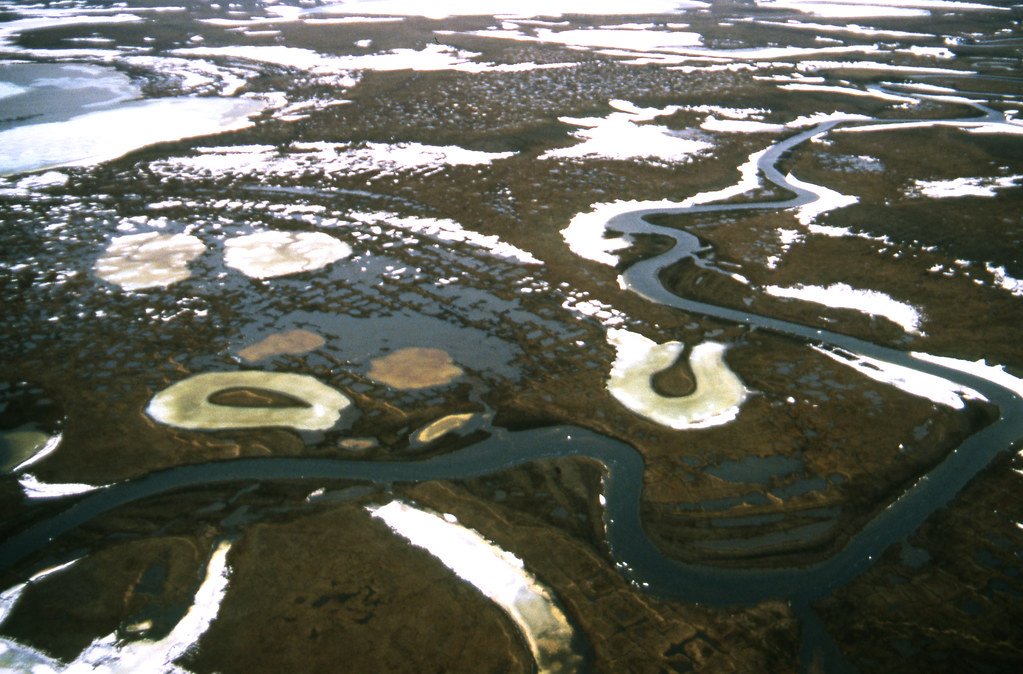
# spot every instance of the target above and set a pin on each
(716, 400)
(186, 404)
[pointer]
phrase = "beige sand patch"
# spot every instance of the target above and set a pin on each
(415, 367)
(282, 344)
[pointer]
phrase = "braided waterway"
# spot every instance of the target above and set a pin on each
(636, 556)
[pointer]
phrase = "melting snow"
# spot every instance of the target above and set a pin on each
(624, 135)
(843, 296)
(449, 230)
(521, 8)
(497, 574)
(1013, 285)
(101, 136)
(963, 187)
(936, 389)
(386, 158)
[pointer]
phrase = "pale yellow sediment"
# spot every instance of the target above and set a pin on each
(186, 404)
(442, 427)
(716, 400)
(415, 368)
(282, 344)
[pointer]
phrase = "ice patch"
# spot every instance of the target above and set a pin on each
(53, 18)
(272, 253)
(712, 123)
(196, 75)
(827, 200)
(749, 180)
(148, 260)
(728, 113)
(825, 230)
(1013, 285)
(580, 303)
(432, 57)
(846, 28)
(288, 57)
(383, 159)
(993, 373)
(621, 38)
(660, 47)
(112, 654)
(896, 7)
(344, 20)
(929, 52)
(816, 66)
(788, 238)
(104, 135)
(42, 180)
(186, 403)
(869, 92)
(34, 488)
(842, 10)
(972, 127)
(821, 117)
(8, 90)
(449, 230)
(586, 233)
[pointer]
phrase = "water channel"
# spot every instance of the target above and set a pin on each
(637, 558)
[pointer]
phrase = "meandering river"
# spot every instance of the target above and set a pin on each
(636, 556)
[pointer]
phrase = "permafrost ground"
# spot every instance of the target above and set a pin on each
(412, 212)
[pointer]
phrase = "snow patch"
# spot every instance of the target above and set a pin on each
(843, 296)
(624, 135)
(449, 230)
(938, 390)
(963, 187)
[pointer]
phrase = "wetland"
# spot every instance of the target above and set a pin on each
(671, 337)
